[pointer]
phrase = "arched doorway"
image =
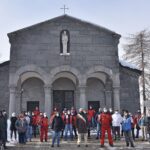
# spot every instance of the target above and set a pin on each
(95, 93)
(63, 93)
(32, 94)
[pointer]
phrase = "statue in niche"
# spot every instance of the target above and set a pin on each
(65, 42)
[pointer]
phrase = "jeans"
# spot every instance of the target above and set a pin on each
(68, 127)
(128, 137)
(29, 133)
(116, 129)
(15, 133)
(22, 137)
(56, 136)
(34, 127)
(98, 130)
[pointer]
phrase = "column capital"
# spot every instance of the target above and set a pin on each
(47, 86)
(116, 87)
(82, 86)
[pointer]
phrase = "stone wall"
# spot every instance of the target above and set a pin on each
(95, 91)
(89, 46)
(129, 89)
(33, 90)
(4, 83)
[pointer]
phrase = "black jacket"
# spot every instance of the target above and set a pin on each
(13, 121)
(2, 129)
(57, 124)
(82, 125)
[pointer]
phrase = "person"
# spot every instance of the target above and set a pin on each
(98, 125)
(116, 122)
(143, 125)
(137, 118)
(13, 129)
(5, 117)
(74, 115)
(29, 127)
(133, 125)
(44, 127)
(65, 42)
(82, 127)
(21, 126)
(68, 120)
(34, 124)
(64, 113)
(57, 126)
(36, 111)
(126, 126)
(2, 130)
(148, 125)
(106, 120)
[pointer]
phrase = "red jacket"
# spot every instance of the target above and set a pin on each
(105, 120)
(68, 119)
(91, 113)
(74, 120)
(34, 120)
(36, 112)
(44, 122)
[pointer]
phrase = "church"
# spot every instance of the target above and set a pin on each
(65, 62)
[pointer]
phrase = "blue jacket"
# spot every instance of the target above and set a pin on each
(126, 124)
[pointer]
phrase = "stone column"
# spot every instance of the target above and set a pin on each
(116, 94)
(12, 100)
(82, 97)
(108, 95)
(48, 99)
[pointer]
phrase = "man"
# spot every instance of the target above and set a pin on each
(106, 120)
(2, 130)
(68, 120)
(82, 126)
(44, 127)
(57, 126)
(126, 126)
(98, 125)
(116, 122)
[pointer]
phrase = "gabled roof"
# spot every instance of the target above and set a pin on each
(4, 63)
(69, 17)
(130, 69)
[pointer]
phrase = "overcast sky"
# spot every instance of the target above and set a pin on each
(121, 16)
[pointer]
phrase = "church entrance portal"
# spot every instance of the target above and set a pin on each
(31, 105)
(63, 99)
(94, 104)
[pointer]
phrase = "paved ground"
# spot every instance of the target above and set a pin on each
(71, 145)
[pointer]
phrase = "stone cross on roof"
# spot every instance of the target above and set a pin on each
(64, 8)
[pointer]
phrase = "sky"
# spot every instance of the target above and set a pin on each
(122, 16)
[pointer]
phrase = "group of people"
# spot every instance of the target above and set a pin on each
(71, 125)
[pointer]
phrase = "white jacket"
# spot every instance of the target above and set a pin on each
(116, 119)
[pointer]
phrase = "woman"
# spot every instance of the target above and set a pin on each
(13, 129)
(21, 126)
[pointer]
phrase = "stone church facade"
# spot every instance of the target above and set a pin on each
(65, 62)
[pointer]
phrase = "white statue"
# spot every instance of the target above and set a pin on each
(64, 42)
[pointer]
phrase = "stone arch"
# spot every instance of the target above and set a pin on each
(30, 71)
(107, 71)
(72, 72)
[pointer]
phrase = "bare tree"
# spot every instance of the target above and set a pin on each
(137, 51)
